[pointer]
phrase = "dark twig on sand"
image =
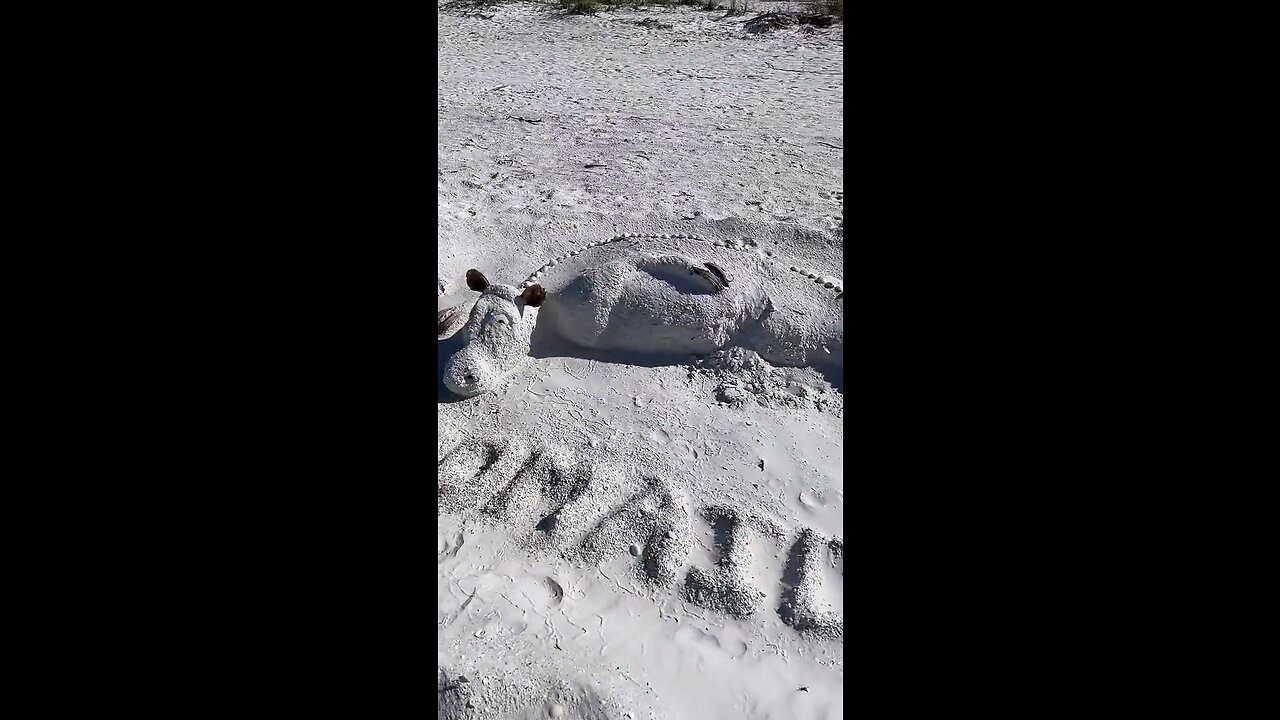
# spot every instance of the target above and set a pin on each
(700, 77)
(809, 72)
(523, 119)
(830, 145)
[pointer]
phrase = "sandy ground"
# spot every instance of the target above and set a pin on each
(637, 538)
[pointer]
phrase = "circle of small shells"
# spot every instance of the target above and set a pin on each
(823, 280)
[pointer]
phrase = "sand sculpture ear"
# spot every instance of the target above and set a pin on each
(476, 280)
(534, 295)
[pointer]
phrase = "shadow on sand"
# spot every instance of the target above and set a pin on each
(544, 347)
(445, 350)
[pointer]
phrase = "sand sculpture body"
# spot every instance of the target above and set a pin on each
(662, 303)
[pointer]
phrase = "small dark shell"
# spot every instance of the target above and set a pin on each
(726, 277)
(710, 276)
(534, 295)
(476, 280)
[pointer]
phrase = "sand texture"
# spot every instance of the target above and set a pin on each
(640, 470)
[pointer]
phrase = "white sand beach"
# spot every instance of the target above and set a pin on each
(640, 468)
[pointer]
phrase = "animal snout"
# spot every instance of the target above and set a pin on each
(466, 375)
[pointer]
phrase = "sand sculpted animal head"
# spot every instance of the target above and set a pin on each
(496, 337)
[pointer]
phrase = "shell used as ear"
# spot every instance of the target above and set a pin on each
(476, 280)
(534, 295)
